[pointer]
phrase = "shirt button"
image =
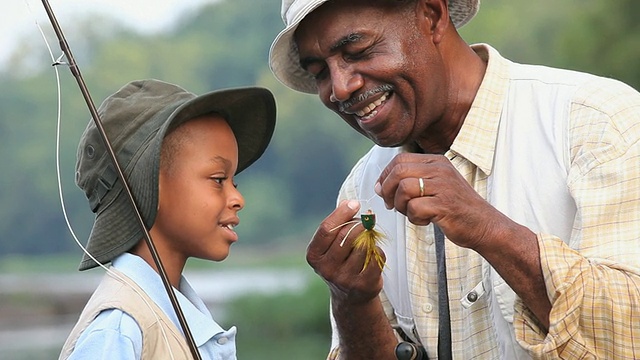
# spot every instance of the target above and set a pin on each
(223, 340)
(472, 296)
(427, 308)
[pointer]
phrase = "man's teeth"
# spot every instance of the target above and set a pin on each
(229, 226)
(368, 110)
(369, 116)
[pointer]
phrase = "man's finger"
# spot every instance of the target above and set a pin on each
(329, 229)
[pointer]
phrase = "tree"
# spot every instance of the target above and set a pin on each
(225, 44)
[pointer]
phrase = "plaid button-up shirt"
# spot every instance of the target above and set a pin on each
(589, 238)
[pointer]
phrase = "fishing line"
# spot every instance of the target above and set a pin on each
(374, 193)
(55, 63)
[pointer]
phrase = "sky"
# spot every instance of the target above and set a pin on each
(18, 17)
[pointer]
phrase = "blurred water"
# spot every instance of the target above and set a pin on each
(37, 311)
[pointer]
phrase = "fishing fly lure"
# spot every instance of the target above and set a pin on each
(367, 240)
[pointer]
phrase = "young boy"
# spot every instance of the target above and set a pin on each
(179, 153)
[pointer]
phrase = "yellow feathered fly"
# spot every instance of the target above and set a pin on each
(367, 240)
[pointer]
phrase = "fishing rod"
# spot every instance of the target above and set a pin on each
(75, 71)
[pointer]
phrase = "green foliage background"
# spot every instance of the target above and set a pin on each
(293, 186)
(226, 44)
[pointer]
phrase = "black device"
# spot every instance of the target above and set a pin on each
(410, 351)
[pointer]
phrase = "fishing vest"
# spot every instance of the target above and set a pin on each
(114, 293)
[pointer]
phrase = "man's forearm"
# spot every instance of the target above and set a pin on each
(516, 257)
(365, 332)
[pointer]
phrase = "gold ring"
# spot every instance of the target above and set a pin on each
(421, 182)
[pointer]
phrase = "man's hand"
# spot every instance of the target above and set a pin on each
(364, 330)
(333, 258)
(468, 220)
(447, 199)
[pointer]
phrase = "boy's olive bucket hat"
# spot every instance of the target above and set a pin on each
(136, 119)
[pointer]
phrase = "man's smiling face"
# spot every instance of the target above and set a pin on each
(375, 64)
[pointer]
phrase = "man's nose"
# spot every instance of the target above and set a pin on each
(344, 82)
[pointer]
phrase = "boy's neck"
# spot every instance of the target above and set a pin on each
(172, 265)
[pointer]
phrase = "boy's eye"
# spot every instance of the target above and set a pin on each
(219, 180)
(222, 179)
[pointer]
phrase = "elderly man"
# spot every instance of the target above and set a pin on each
(531, 173)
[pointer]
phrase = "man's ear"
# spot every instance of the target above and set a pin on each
(436, 13)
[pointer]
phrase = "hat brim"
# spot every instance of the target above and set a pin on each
(284, 59)
(251, 114)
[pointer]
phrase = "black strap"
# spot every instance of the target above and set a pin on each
(444, 320)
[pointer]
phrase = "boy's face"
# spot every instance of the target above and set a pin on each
(198, 200)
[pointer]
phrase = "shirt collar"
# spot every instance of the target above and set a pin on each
(477, 138)
(198, 317)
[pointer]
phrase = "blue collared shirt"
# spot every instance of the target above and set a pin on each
(116, 335)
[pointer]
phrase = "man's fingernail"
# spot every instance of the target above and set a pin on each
(353, 204)
(378, 188)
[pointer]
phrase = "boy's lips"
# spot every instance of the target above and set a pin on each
(229, 228)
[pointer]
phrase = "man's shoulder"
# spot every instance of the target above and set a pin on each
(553, 76)
(599, 93)
(583, 82)
(550, 75)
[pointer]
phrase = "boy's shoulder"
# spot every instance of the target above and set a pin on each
(119, 305)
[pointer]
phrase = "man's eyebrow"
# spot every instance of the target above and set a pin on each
(351, 38)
